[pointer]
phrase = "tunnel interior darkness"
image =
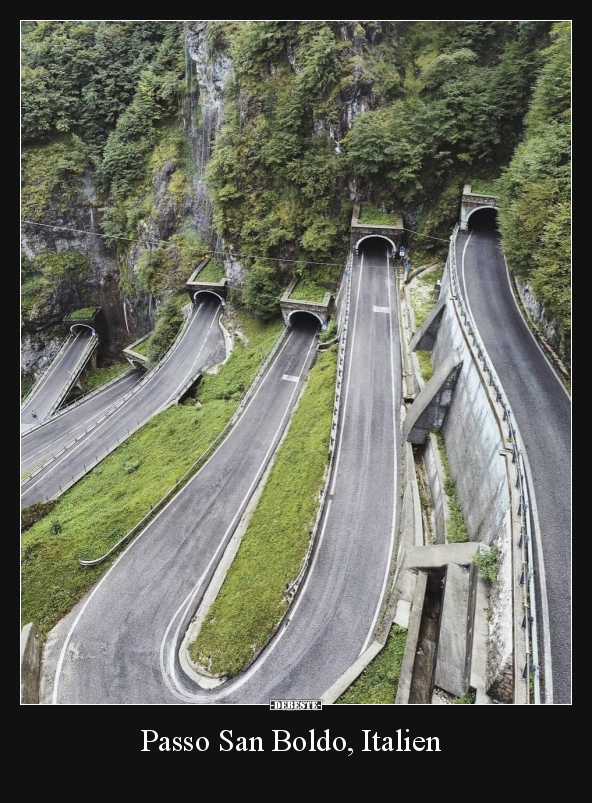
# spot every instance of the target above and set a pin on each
(483, 220)
(80, 327)
(375, 247)
(208, 295)
(303, 320)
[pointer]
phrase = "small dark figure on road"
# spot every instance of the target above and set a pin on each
(33, 414)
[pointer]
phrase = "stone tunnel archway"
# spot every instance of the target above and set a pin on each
(375, 236)
(220, 298)
(85, 325)
(306, 317)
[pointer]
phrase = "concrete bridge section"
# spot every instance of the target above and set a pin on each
(198, 291)
(290, 306)
(471, 202)
(362, 231)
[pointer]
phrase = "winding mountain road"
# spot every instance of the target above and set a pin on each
(201, 344)
(63, 371)
(542, 409)
(39, 443)
(120, 644)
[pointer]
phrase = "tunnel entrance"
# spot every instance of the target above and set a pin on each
(376, 245)
(376, 250)
(209, 293)
(483, 219)
(304, 320)
(81, 326)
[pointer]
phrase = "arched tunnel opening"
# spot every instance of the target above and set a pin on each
(376, 247)
(80, 327)
(208, 295)
(305, 321)
(483, 220)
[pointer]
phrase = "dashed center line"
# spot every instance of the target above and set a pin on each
(382, 309)
(290, 378)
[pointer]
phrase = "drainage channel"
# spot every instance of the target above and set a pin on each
(425, 657)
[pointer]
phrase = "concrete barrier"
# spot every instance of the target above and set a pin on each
(30, 664)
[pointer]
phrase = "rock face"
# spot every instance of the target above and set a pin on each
(551, 330)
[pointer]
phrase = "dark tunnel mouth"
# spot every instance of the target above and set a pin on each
(81, 325)
(376, 245)
(484, 219)
(210, 293)
(303, 319)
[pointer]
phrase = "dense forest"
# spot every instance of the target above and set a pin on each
(314, 115)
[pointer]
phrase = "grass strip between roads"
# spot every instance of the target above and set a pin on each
(378, 683)
(96, 512)
(98, 376)
(251, 600)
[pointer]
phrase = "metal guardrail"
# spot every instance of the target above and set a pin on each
(191, 471)
(84, 358)
(291, 589)
(529, 622)
(107, 413)
(45, 372)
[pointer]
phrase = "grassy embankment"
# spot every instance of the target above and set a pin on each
(114, 496)
(251, 600)
(308, 289)
(423, 299)
(379, 681)
(373, 216)
(211, 273)
(98, 376)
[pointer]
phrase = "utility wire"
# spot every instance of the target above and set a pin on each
(209, 250)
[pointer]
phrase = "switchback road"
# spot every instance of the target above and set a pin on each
(542, 410)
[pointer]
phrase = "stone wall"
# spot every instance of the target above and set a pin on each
(549, 327)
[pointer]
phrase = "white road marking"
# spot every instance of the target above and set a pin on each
(140, 536)
(383, 309)
(52, 466)
(289, 378)
(395, 474)
(189, 600)
(542, 577)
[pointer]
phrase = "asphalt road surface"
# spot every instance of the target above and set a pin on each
(202, 344)
(38, 444)
(542, 410)
(120, 644)
(61, 372)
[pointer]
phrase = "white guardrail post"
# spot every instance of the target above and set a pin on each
(523, 512)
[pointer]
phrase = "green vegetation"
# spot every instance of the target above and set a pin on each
(211, 273)
(98, 376)
(535, 207)
(425, 364)
(26, 385)
(330, 332)
(251, 600)
(423, 295)
(84, 312)
(143, 347)
(168, 322)
(110, 500)
(375, 216)
(34, 513)
(468, 698)
(488, 563)
(378, 683)
(308, 290)
(456, 529)
(485, 186)
(51, 275)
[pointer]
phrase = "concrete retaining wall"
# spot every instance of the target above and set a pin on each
(30, 664)
(477, 457)
(435, 476)
(473, 441)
